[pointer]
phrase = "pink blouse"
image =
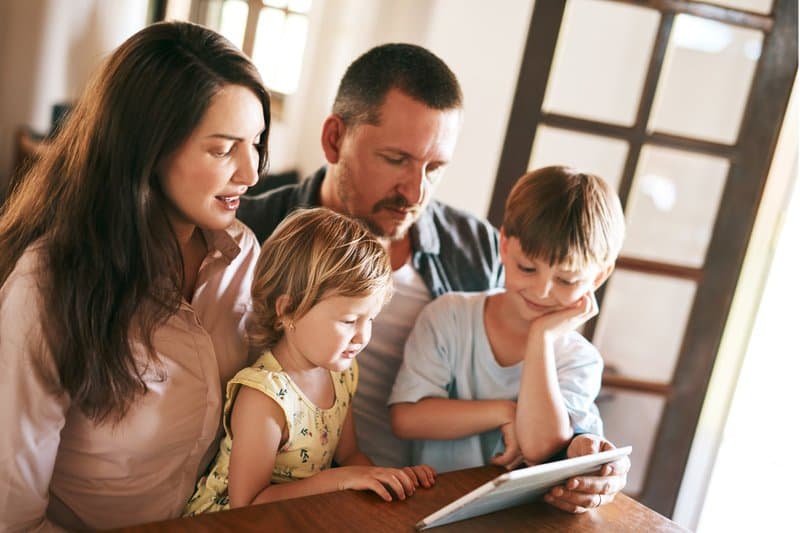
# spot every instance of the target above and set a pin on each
(59, 468)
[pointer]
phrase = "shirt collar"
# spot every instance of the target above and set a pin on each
(226, 241)
(424, 237)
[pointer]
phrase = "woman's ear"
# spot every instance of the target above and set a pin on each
(602, 276)
(333, 131)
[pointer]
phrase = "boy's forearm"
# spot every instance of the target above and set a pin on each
(442, 418)
(542, 421)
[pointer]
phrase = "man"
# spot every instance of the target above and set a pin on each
(392, 132)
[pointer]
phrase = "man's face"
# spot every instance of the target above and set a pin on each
(386, 174)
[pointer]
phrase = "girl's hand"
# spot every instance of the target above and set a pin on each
(421, 475)
(377, 479)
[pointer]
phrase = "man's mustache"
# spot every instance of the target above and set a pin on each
(395, 202)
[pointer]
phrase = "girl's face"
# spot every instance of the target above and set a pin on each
(204, 178)
(333, 332)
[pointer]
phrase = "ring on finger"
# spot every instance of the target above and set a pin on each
(599, 501)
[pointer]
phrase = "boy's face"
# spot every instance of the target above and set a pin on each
(538, 288)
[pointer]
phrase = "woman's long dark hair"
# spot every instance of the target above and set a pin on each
(112, 269)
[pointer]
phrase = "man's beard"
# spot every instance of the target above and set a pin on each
(397, 201)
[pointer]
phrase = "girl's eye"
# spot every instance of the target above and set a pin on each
(568, 282)
(527, 269)
(349, 322)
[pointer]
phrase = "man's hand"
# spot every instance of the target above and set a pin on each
(581, 493)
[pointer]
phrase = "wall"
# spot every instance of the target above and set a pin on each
(48, 49)
(482, 45)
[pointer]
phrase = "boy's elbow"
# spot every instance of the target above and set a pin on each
(540, 450)
(401, 420)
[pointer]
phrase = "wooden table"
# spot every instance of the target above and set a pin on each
(364, 512)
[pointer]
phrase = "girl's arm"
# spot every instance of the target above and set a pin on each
(257, 424)
(443, 418)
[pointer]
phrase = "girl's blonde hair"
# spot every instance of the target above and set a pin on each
(314, 254)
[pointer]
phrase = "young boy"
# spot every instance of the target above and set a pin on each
(502, 376)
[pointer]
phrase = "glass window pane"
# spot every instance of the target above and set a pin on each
(601, 61)
(642, 339)
(278, 48)
(603, 156)
(705, 81)
(639, 431)
(673, 205)
(233, 21)
(275, 3)
(756, 6)
(300, 6)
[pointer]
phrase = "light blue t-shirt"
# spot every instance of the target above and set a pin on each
(448, 355)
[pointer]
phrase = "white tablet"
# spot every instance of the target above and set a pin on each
(518, 486)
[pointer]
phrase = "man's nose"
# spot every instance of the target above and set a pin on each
(413, 186)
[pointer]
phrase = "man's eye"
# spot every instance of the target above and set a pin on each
(394, 160)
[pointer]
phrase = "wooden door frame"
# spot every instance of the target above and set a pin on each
(750, 159)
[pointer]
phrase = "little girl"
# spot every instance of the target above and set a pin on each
(320, 280)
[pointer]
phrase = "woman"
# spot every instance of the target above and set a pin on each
(124, 280)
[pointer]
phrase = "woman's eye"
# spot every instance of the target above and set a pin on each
(224, 152)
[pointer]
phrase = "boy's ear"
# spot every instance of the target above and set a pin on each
(333, 131)
(603, 275)
(503, 245)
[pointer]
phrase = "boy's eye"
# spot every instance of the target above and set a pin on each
(349, 322)
(568, 282)
(526, 269)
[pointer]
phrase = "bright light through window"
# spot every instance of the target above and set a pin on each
(272, 32)
(278, 48)
(233, 21)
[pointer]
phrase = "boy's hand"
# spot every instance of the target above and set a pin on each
(562, 321)
(421, 475)
(377, 479)
(581, 493)
(512, 456)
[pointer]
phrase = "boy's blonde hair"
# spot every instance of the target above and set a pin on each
(565, 217)
(314, 253)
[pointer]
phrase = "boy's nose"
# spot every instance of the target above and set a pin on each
(542, 288)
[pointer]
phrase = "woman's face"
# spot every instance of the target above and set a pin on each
(204, 178)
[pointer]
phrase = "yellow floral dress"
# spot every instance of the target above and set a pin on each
(313, 432)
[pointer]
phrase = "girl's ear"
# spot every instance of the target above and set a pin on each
(282, 305)
(333, 131)
(602, 276)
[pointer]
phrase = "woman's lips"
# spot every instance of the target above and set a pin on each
(231, 203)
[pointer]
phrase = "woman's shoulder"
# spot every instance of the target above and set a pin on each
(27, 275)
